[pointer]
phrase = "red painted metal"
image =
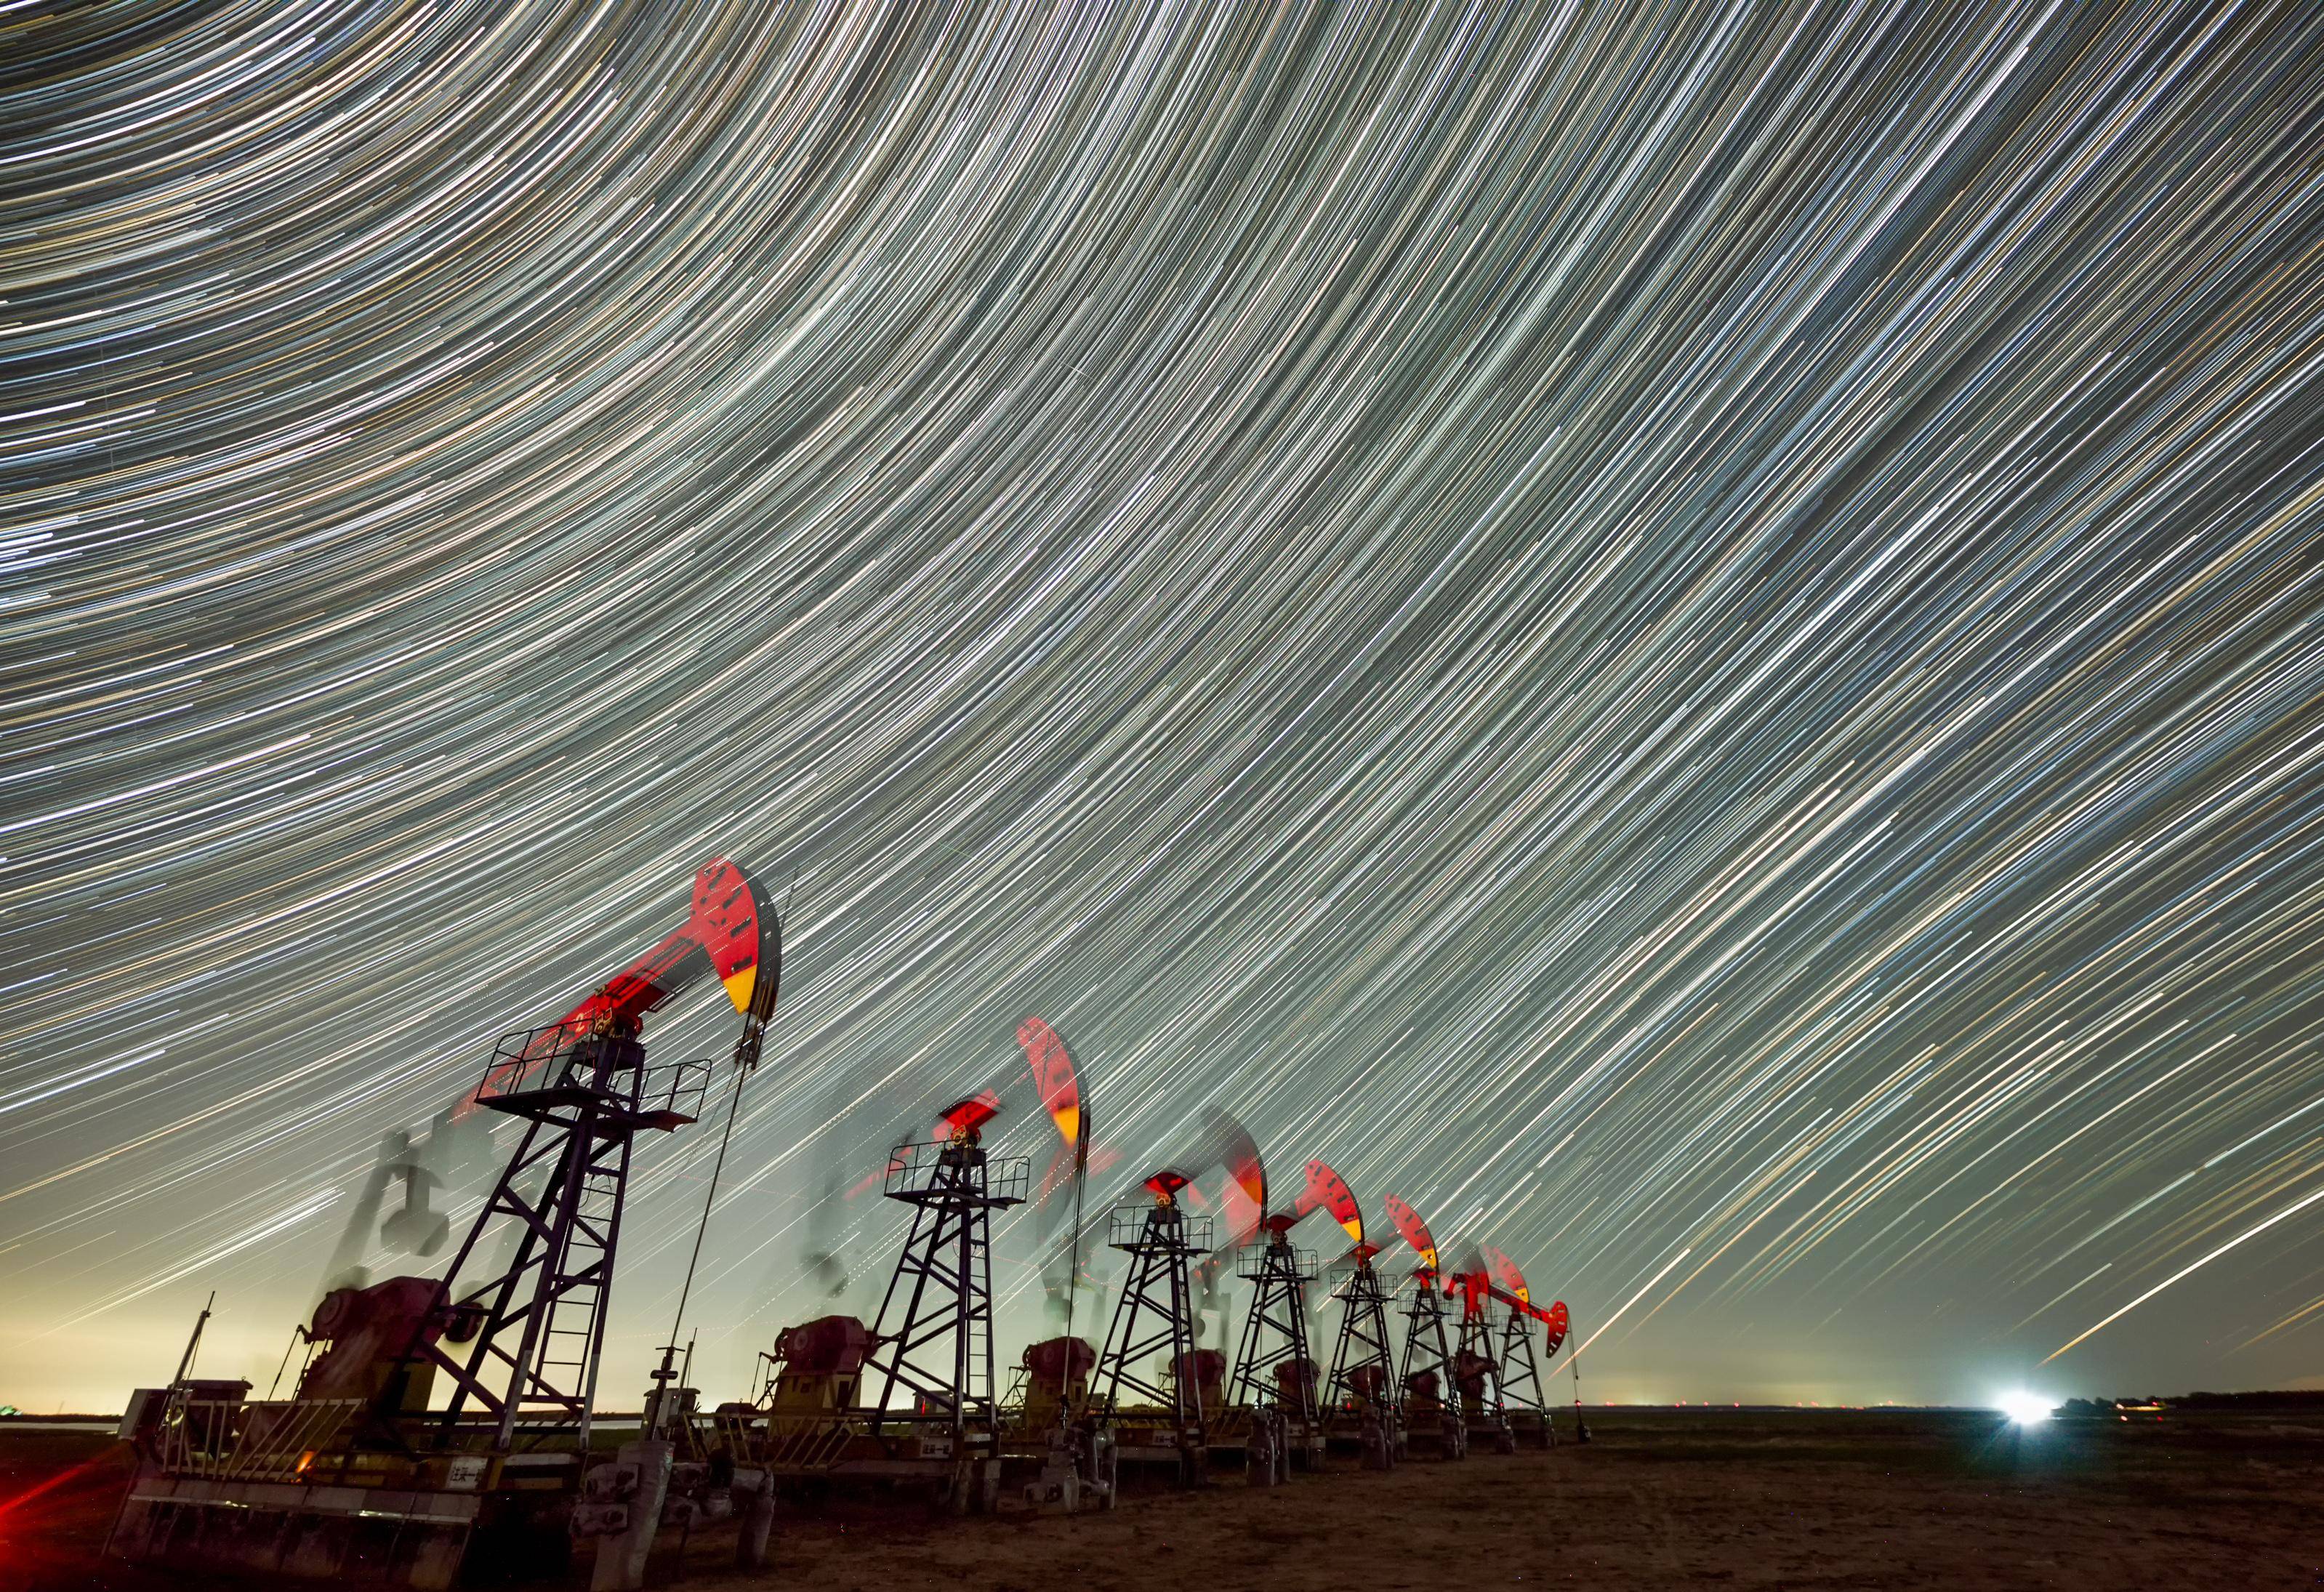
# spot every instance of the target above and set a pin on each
(1054, 1078)
(1504, 1273)
(828, 1346)
(1496, 1276)
(966, 1119)
(1414, 1232)
(1327, 1191)
(1555, 1319)
(1166, 1184)
(730, 931)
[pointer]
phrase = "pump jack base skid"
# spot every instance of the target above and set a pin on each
(1256, 1441)
(971, 1474)
(1435, 1433)
(359, 1534)
(1378, 1441)
(1491, 1434)
(1156, 1444)
(969, 1486)
(963, 1475)
(1304, 1443)
(1059, 1472)
(365, 1517)
(1532, 1428)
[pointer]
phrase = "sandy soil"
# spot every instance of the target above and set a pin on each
(1741, 1499)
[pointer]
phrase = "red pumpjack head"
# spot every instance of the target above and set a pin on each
(1327, 1191)
(1052, 1066)
(1415, 1233)
(1246, 1173)
(1495, 1277)
(1324, 1190)
(1054, 1079)
(731, 932)
(1059, 1086)
(1242, 1203)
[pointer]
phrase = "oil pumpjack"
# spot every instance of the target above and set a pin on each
(1246, 1435)
(1433, 1416)
(1476, 1372)
(1502, 1399)
(362, 1475)
(910, 1400)
(1525, 1397)
(1240, 1201)
(1157, 1418)
(1272, 1403)
(933, 1338)
(931, 1344)
(1361, 1408)
(1045, 1427)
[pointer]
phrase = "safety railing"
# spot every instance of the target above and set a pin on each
(1262, 1260)
(1228, 1424)
(609, 1065)
(796, 1441)
(250, 1442)
(678, 1088)
(928, 1171)
(807, 1442)
(1126, 1227)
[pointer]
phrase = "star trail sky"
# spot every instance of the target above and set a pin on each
(1688, 633)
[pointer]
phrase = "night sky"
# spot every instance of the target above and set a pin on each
(1690, 636)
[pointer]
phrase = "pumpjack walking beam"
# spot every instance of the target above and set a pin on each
(1155, 1311)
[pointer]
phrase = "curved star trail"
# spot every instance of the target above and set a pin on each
(1689, 634)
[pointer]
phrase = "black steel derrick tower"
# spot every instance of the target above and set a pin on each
(1156, 1312)
(933, 1333)
(563, 1189)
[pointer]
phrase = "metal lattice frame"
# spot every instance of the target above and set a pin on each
(1477, 1338)
(551, 1295)
(940, 1345)
(1364, 1340)
(1425, 1346)
(1158, 1293)
(1520, 1379)
(1278, 1313)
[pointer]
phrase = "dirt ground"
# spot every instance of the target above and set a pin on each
(1661, 1498)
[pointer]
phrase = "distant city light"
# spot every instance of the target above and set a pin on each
(2026, 1409)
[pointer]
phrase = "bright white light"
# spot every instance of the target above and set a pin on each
(2026, 1409)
